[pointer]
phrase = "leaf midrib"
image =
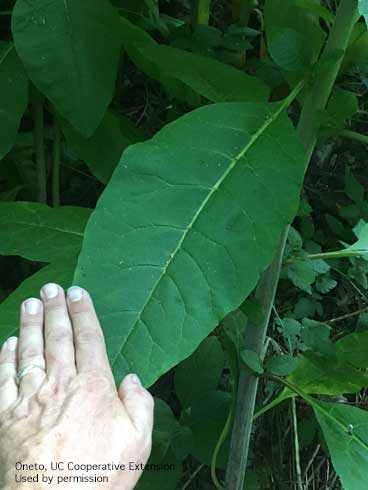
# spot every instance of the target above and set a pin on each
(172, 256)
(53, 228)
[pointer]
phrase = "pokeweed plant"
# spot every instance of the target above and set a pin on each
(194, 219)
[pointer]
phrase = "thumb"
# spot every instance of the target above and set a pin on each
(138, 403)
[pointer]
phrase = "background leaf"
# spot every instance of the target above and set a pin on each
(161, 216)
(102, 151)
(13, 96)
(294, 37)
(59, 271)
(346, 432)
(70, 50)
(182, 72)
(200, 372)
(37, 232)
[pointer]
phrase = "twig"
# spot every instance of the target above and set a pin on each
(348, 315)
(195, 473)
(296, 446)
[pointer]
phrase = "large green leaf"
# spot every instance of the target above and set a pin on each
(187, 74)
(37, 232)
(60, 272)
(191, 219)
(102, 151)
(70, 50)
(346, 432)
(204, 366)
(13, 96)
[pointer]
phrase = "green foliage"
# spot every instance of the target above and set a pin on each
(281, 365)
(57, 232)
(13, 96)
(252, 360)
(345, 431)
(70, 51)
(186, 75)
(293, 34)
(204, 366)
(176, 172)
(186, 222)
(60, 271)
(102, 151)
(363, 9)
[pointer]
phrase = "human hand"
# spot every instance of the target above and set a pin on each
(65, 406)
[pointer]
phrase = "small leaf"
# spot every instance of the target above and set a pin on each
(50, 232)
(13, 96)
(70, 50)
(252, 360)
(281, 365)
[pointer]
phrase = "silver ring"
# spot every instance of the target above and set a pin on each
(26, 370)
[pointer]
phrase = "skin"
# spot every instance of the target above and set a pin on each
(68, 408)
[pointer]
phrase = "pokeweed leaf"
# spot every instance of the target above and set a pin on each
(363, 9)
(37, 232)
(345, 429)
(192, 218)
(204, 366)
(70, 50)
(187, 74)
(60, 271)
(13, 96)
(102, 151)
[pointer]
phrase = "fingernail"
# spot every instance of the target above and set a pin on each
(50, 290)
(11, 343)
(75, 294)
(33, 306)
(133, 378)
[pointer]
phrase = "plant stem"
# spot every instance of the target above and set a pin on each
(346, 133)
(254, 335)
(56, 164)
(201, 12)
(296, 446)
(320, 91)
(339, 254)
(38, 133)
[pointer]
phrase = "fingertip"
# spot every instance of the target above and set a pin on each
(138, 402)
